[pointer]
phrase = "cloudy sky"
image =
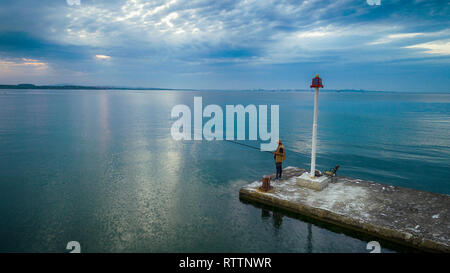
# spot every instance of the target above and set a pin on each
(399, 45)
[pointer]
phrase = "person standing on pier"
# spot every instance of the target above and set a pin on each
(280, 156)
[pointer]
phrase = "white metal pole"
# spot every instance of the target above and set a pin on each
(314, 135)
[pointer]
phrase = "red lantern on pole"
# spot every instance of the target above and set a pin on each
(316, 82)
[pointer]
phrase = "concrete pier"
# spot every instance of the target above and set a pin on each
(410, 217)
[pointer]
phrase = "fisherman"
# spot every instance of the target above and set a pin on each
(279, 156)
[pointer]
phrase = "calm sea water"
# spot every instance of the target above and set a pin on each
(101, 168)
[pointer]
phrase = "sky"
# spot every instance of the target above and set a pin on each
(397, 45)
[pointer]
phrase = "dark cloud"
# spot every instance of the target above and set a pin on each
(177, 43)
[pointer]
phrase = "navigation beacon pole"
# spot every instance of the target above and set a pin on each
(316, 83)
(310, 180)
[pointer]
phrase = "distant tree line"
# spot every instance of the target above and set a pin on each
(72, 87)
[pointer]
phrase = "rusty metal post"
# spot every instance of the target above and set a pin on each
(266, 183)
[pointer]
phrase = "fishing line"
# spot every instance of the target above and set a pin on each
(256, 148)
(253, 147)
(293, 152)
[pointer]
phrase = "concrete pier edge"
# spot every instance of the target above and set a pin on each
(391, 232)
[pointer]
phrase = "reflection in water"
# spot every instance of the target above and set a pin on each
(309, 239)
(277, 218)
(265, 214)
(320, 227)
(103, 121)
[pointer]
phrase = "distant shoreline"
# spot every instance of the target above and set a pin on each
(73, 87)
(81, 87)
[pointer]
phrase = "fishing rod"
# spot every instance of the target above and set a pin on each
(331, 172)
(256, 148)
(243, 144)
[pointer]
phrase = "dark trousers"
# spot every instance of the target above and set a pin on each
(279, 169)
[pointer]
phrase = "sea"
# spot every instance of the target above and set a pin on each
(100, 167)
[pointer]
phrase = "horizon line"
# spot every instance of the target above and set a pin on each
(30, 86)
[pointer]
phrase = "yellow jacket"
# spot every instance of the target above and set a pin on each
(280, 155)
